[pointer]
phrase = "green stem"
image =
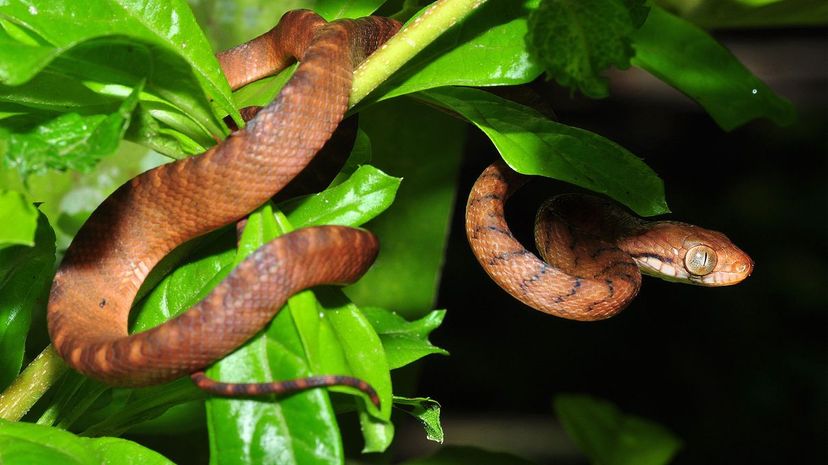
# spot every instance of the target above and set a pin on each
(31, 384)
(418, 34)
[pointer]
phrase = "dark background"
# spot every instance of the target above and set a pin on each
(739, 374)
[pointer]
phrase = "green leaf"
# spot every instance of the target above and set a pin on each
(359, 199)
(404, 341)
(107, 45)
(71, 141)
(425, 146)
(578, 40)
(333, 9)
(25, 443)
(610, 437)
(300, 428)
(25, 276)
(361, 356)
(131, 407)
(532, 144)
(492, 39)
(690, 60)
(19, 218)
(465, 455)
(426, 411)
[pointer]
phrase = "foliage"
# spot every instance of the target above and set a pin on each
(609, 437)
(77, 78)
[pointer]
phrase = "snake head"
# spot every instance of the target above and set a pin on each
(690, 254)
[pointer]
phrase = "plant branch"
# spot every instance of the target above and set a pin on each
(31, 384)
(413, 38)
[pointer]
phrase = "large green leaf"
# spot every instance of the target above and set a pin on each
(610, 437)
(300, 428)
(110, 46)
(578, 40)
(26, 444)
(25, 275)
(487, 49)
(532, 144)
(424, 146)
(19, 217)
(690, 60)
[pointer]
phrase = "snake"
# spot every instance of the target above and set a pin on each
(147, 217)
(593, 252)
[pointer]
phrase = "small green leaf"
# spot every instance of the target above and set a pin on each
(19, 219)
(688, 59)
(532, 144)
(404, 341)
(578, 40)
(359, 199)
(426, 411)
(25, 276)
(25, 444)
(610, 437)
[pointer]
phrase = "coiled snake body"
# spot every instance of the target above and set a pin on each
(153, 213)
(593, 251)
(150, 215)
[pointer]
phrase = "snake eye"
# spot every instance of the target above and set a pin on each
(700, 260)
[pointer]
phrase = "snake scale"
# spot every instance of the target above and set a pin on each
(147, 217)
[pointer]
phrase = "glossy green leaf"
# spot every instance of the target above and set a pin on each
(63, 24)
(578, 40)
(532, 144)
(70, 141)
(333, 9)
(107, 46)
(361, 356)
(610, 437)
(423, 146)
(300, 428)
(492, 39)
(19, 219)
(404, 341)
(359, 199)
(688, 59)
(426, 411)
(25, 276)
(26, 444)
(465, 455)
